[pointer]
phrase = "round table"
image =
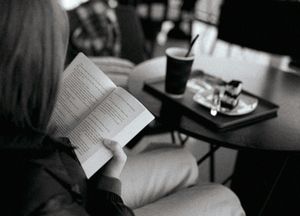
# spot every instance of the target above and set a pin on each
(281, 133)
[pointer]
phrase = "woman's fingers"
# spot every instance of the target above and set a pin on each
(115, 166)
(116, 149)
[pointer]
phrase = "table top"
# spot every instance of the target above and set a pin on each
(281, 133)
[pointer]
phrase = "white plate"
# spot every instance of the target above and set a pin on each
(247, 103)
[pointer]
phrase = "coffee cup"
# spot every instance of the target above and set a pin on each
(178, 70)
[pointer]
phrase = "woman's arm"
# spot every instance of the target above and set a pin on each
(104, 190)
(104, 196)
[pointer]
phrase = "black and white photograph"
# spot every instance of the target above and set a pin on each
(150, 107)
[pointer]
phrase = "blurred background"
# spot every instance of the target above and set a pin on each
(132, 31)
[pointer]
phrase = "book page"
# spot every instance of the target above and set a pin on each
(119, 117)
(84, 85)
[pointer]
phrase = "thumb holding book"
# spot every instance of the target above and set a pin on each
(115, 166)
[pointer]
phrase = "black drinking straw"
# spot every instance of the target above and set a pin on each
(191, 45)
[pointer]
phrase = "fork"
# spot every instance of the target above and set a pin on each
(216, 102)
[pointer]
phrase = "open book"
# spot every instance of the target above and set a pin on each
(90, 107)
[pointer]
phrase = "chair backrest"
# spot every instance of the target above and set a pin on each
(132, 36)
(267, 25)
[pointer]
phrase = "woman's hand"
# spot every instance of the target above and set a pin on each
(115, 166)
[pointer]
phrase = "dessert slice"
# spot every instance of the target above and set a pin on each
(230, 99)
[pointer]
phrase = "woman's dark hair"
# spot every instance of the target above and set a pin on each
(33, 42)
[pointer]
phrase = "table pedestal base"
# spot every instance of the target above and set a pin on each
(267, 183)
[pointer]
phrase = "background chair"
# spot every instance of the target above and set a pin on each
(132, 36)
(268, 26)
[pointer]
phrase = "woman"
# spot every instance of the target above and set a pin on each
(40, 174)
